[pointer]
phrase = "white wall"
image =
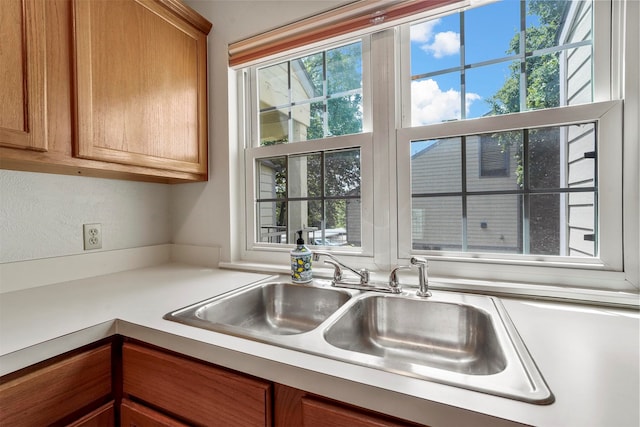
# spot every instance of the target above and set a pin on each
(41, 215)
(202, 213)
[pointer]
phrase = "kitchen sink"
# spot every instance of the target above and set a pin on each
(279, 308)
(455, 337)
(452, 338)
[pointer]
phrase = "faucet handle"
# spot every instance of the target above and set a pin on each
(337, 270)
(394, 283)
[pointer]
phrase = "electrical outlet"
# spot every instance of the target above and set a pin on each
(92, 236)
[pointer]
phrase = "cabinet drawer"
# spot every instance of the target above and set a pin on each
(194, 391)
(135, 415)
(317, 413)
(58, 390)
(104, 416)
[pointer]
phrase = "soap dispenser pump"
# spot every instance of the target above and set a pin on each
(301, 262)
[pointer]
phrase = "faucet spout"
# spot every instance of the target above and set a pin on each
(423, 278)
(363, 274)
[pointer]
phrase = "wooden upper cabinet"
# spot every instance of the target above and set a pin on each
(140, 80)
(22, 75)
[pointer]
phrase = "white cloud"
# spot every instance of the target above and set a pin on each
(438, 44)
(423, 32)
(446, 43)
(429, 104)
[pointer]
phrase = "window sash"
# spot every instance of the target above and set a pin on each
(362, 141)
(607, 115)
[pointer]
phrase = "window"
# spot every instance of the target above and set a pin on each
(309, 142)
(481, 145)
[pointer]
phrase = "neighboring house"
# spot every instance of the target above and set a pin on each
(492, 221)
(575, 74)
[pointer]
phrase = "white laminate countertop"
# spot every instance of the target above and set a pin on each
(588, 355)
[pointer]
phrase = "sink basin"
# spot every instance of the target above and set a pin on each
(456, 337)
(278, 308)
(451, 338)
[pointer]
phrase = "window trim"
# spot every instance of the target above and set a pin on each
(595, 279)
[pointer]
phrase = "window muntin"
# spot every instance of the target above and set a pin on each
(508, 266)
(311, 97)
(544, 205)
(318, 193)
(462, 68)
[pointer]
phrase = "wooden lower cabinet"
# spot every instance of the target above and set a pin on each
(194, 392)
(60, 391)
(138, 385)
(295, 407)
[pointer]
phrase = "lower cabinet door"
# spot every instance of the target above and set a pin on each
(135, 415)
(194, 391)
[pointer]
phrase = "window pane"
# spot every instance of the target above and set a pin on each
(580, 224)
(307, 77)
(274, 127)
(305, 215)
(436, 223)
(272, 222)
(342, 173)
(344, 68)
(487, 93)
(493, 161)
(436, 166)
(494, 223)
(544, 21)
(273, 86)
(543, 81)
(484, 42)
(435, 44)
(304, 176)
(272, 178)
(337, 221)
(545, 222)
(345, 115)
(562, 156)
(436, 99)
(577, 71)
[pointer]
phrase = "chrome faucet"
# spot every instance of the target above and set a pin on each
(338, 266)
(423, 278)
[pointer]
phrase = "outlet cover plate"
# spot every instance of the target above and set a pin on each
(92, 236)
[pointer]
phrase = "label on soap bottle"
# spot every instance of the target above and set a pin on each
(301, 266)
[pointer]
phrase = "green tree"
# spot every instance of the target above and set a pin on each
(540, 76)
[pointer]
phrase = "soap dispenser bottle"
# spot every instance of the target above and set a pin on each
(301, 262)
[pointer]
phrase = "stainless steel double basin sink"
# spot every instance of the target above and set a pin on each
(452, 338)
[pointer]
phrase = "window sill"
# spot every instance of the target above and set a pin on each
(616, 298)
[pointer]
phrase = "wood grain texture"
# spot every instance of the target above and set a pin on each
(58, 390)
(140, 86)
(59, 158)
(22, 75)
(194, 391)
(318, 413)
(104, 416)
(294, 407)
(135, 415)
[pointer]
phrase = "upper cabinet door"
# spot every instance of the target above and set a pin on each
(22, 75)
(140, 86)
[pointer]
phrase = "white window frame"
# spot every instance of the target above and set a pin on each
(386, 204)
(262, 251)
(608, 118)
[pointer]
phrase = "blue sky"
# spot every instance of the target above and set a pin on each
(436, 46)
